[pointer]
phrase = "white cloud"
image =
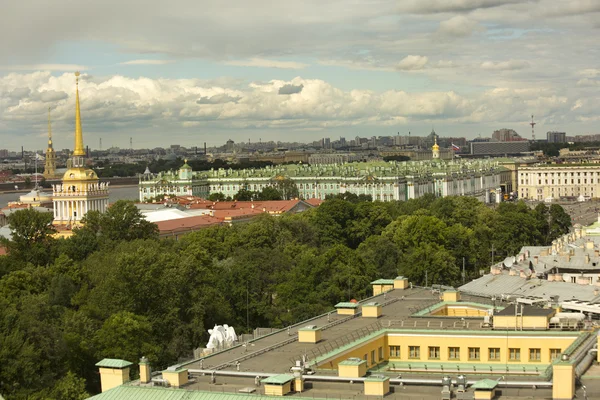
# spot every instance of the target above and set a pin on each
(459, 26)
(590, 72)
(44, 67)
(147, 62)
(444, 6)
(510, 65)
(411, 63)
(586, 82)
(263, 63)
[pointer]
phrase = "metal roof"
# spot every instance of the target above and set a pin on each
(353, 361)
(113, 363)
(383, 282)
(278, 379)
(485, 384)
(346, 304)
(515, 287)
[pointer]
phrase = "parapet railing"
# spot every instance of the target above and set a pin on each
(334, 344)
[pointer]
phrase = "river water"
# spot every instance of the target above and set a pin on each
(116, 193)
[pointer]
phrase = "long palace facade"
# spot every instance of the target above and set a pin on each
(384, 181)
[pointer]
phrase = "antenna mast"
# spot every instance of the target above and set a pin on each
(532, 128)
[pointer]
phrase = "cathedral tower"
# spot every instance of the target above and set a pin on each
(80, 190)
(50, 166)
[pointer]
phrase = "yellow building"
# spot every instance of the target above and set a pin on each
(553, 181)
(50, 165)
(80, 190)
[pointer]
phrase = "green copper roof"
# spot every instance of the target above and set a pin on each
(113, 363)
(346, 304)
(125, 392)
(278, 379)
(383, 282)
(353, 361)
(371, 304)
(485, 384)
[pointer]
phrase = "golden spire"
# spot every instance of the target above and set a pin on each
(49, 130)
(78, 151)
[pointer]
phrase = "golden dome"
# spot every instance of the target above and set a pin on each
(435, 145)
(79, 174)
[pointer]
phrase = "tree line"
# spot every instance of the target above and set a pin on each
(113, 289)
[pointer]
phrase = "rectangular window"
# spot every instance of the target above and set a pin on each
(535, 354)
(372, 357)
(554, 354)
(473, 353)
(514, 354)
(434, 353)
(414, 352)
(394, 351)
(380, 351)
(454, 353)
(494, 354)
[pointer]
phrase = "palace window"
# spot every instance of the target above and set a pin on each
(554, 354)
(414, 352)
(454, 353)
(473, 353)
(394, 351)
(494, 354)
(372, 357)
(434, 353)
(380, 351)
(514, 354)
(535, 354)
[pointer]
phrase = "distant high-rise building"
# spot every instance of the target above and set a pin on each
(506, 135)
(3, 153)
(556, 137)
(229, 145)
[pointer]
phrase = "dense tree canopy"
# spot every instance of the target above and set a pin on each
(114, 290)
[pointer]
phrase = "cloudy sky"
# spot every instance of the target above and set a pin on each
(190, 71)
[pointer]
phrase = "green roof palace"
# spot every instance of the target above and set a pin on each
(384, 181)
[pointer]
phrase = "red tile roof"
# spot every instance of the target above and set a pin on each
(3, 251)
(314, 202)
(189, 224)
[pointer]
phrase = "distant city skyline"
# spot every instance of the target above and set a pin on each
(190, 72)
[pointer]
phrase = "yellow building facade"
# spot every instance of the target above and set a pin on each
(540, 182)
(457, 347)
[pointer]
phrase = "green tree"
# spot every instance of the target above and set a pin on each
(31, 236)
(560, 222)
(287, 188)
(69, 387)
(126, 336)
(244, 195)
(216, 197)
(269, 193)
(122, 221)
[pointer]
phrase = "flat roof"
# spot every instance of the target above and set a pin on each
(526, 310)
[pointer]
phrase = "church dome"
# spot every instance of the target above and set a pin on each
(79, 174)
